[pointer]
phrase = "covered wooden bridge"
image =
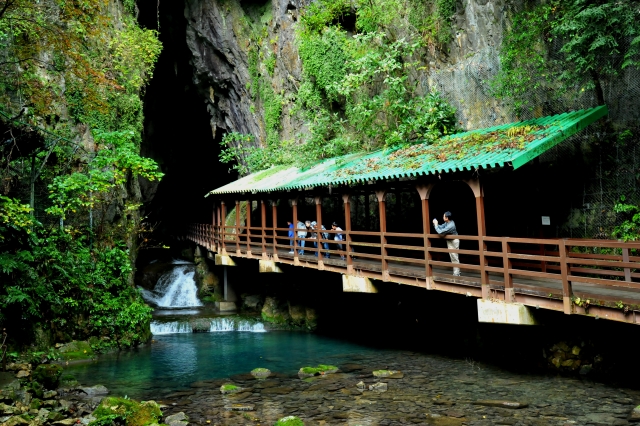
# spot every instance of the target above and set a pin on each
(381, 200)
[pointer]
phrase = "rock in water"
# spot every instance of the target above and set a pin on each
(388, 374)
(260, 373)
(378, 387)
(361, 385)
(500, 403)
(94, 390)
(239, 407)
(178, 419)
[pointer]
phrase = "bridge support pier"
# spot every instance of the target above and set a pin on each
(499, 312)
(357, 284)
(265, 266)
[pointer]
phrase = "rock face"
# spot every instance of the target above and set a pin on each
(220, 36)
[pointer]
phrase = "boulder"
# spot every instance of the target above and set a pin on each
(178, 419)
(361, 385)
(252, 302)
(289, 421)
(22, 374)
(320, 370)
(388, 374)
(229, 388)
(132, 412)
(12, 366)
(76, 350)
(260, 373)
(274, 311)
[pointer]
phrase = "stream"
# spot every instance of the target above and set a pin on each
(185, 370)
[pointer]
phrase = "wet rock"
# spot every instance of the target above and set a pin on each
(239, 407)
(48, 375)
(8, 409)
(446, 402)
(66, 422)
(454, 413)
(360, 385)
(12, 366)
(49, 394)
(635, 414)
(229, 388)
(351, 367)
(260, 373)
(94, 390)
(22, 374)
(252, 302)
(178, 419)
(15, 420)
(378, 387)
(289, 421)
(277, 391)
(388, 374)
(500, 403)
(54, 416)
(87, 419)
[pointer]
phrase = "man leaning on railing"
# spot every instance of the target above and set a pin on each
(449, 228)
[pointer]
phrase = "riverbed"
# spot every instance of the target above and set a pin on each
(185, 372)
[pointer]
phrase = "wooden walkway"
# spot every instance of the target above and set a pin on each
(597, 278)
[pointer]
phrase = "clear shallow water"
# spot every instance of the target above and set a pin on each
(173, 362)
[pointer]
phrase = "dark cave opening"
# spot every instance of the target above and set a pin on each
(177, 133)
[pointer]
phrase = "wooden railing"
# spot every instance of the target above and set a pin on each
(604, 269)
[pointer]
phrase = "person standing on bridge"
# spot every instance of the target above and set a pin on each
(302, 233)
(291, 235)
(449, 228)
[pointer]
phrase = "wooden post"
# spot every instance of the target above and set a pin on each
(248, 226)
(217, 230)
(318, 201)
(625, 258)
(223, 224)
(238, 252)
(347, 232)
(274, 220)
(425, 192)
(294, 205)
(478, 192)
(382, 212)
(263, 216)
(509, 295)
(567, 291)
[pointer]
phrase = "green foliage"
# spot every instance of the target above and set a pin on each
(116, 159)
(596, 39)
(629, 229)
(14, 215)
(53, 276)
(359, 91)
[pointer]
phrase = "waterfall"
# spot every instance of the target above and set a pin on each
(175, 289)
(216, 324)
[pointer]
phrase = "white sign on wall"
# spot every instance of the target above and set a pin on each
(546, 220)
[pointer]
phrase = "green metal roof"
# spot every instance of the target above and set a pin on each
(512, 144)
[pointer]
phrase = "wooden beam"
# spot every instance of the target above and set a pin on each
(382, 212)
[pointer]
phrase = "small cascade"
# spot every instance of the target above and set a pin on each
(215, 325)
(175, 289)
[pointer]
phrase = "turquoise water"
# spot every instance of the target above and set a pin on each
(173, 362)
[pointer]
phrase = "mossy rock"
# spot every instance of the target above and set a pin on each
(68, 381)
(48, 375)
(133, 413)
(229, 388)
(320, 370)
(289, 421)
(76, 350)
(388, 374)
(260, 373)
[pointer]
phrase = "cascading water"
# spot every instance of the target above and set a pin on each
(215, 325)
(175, 289)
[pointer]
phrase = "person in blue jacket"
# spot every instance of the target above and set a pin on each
(291, 234)
(449, 228)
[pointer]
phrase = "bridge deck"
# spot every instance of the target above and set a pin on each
(561, 275)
